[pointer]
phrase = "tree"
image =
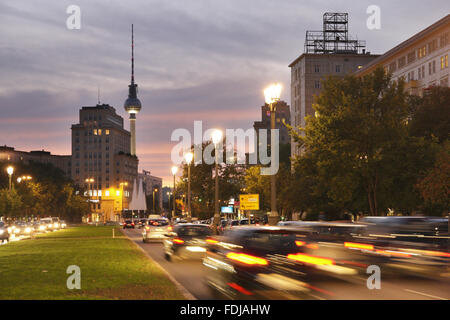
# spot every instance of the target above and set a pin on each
(430, 114)
(435, 186)
(10, 203)
(358, 141)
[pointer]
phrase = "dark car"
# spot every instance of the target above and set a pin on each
(187, 241)
(140, 223)
(264, 263)
(128, 224)
(4, 234)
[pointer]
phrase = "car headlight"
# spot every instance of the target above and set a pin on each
(27, 230)
(56, 225)
(63, 225)
(50, 225)
(1, 231)
(16, 230)
(41, 227)
(9, 229)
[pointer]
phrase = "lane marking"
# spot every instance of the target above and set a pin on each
(424, 294)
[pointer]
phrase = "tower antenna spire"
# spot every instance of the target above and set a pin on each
(132, 54)
(98, 93)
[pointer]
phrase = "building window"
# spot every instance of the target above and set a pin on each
(317, 84)
(434, 66)
(444, 40)
(393, 67)
(411, 57)
(446, 60)
(95, 132)
(338, 68)
(316, 68)
(107, 131)
(419, 74)
(401, 62)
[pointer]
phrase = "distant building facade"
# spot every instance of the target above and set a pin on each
(282, 117)
(150, 184)
(422, 60)
(327, 52)
(62, 162)
(101, 151)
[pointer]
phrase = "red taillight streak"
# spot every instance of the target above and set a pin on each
(212, 241)
(356, 264)
(310, 259)
(394, 253)
(179, 241)
(247, 259)
(239, 288)
(355, 245)
(312, 246)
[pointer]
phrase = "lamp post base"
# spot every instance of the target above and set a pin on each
(273, 219)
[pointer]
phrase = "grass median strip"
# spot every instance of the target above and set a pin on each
(110, 268)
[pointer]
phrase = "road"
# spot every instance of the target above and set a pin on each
(191, 274)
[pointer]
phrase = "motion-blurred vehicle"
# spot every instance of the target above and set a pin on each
(39, 226)
(4, 234)
(127, 224)
(63, 224)
(187, 241)
(410, 245)
(265, 263)
(52, 223)
(140, 223)
(155, 230)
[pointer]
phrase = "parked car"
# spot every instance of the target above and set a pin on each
(155, 230)
(4, 234)
(187, 241)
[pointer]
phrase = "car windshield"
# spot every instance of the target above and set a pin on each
(128, 221)
(193, 231)
(271, 240)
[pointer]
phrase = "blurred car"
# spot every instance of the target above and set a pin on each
(127, 224)
(187, 241)
(63, 224)
(140, 223)
(4, 234)
(39, 226)
(264, 263)
(155, 230)
(51, 222)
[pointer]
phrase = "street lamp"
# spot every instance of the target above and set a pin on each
(90, 182)
(272, 96)
(216, 139)
(122, 184)
(188, 157)
(10, 171)
(174, 172)
(154, 190)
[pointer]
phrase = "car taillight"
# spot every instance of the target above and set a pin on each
(147, 228)
(179, 241)
(354, 245)
(170, 228)
(247, 259)
(310, 259)
(300, 243)
(212, 241)
(132, 223)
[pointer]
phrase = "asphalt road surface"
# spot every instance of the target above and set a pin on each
(191, 274)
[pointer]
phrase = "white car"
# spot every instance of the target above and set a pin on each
(155, 230)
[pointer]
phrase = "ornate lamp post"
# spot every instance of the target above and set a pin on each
(272, 96)
(174, 172)
(216, 138)
(188, 158)
(10, 171)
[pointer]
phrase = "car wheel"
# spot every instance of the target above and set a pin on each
(167, 256)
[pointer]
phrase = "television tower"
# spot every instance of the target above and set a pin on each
(132, 105)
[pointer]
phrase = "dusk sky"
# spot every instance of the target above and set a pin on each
(194, 60)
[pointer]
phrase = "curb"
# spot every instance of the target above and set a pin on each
(180, 287)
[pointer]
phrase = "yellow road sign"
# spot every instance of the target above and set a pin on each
(249, 201)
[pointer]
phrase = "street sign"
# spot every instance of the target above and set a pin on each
(249, 201)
